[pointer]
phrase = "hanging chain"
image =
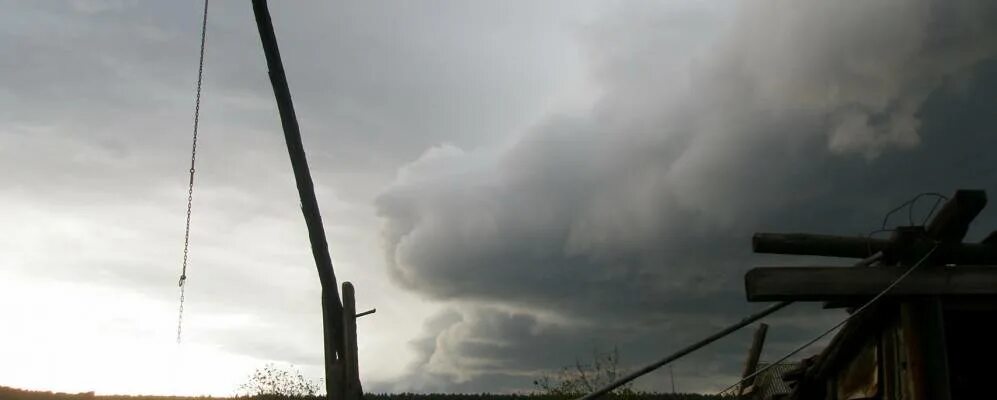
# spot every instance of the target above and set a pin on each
(193, 158)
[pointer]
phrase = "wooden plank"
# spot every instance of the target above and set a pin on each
(859, 247)
(753, 354)
(351, 379)
(952, 221)
(844, 283)
(817, 245)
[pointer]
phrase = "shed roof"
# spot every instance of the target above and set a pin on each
(769, 383)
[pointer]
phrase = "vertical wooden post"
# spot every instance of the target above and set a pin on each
(351, 376)
(925, 341)
(753, 354)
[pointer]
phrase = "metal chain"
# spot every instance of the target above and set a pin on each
(193, 158)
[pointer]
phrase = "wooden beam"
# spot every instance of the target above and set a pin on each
(948, 226)
(753, 354)
(844, 283)
(860, 247)
(952, 221)
(817, 245)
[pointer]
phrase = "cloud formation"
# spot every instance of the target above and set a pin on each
(628, 224)
(570, 175)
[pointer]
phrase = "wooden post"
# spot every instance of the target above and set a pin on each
(332, 309)
(924, 338)
(753, 354)
(351, 377)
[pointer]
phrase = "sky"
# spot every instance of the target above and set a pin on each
(513, 185)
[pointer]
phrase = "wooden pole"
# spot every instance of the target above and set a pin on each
(753, 354)
(351, 377)
(924, 331)
(817, 245)
(332, 309)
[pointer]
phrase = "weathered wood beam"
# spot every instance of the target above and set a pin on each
(844, 283)
(952, 221)
(949, 225)
(817, 245)
(875, 258)
(860, 247)
(754, 353)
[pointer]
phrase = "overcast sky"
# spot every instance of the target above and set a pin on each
(511, 184)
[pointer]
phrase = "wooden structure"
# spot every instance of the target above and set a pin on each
(926, 337)
(342, 377)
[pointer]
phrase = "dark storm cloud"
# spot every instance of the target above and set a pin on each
(374, 84)
(636, 217)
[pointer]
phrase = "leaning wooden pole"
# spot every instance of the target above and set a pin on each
(754, 354)
(332, 309)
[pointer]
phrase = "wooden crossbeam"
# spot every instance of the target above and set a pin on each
(845, 283)
(952, 221)
(984, 253)
(949, 226)
(806, 244)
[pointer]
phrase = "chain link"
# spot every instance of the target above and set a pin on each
(190, 185)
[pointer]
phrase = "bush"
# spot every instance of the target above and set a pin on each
(271, 381)
(581, 379)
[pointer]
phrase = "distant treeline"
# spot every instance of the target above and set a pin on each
(487, 396)
(18, 394)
